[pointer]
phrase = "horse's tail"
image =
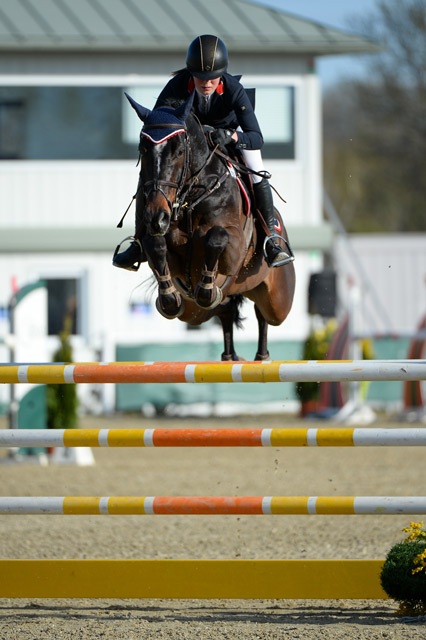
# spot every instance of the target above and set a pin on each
(236, 301)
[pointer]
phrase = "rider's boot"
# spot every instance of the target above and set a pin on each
(276, 256)
(132, 257)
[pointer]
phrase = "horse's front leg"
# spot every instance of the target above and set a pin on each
(207, 294)
(169, 302)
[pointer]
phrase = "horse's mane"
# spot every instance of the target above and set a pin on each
(172, 102)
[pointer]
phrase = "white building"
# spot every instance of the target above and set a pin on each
(68, 149)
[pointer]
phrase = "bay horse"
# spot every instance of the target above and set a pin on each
(202, 246)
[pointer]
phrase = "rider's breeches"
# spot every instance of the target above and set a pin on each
(253, 158)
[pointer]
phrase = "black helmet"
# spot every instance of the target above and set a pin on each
(207, 57)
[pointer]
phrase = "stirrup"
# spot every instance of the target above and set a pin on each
(283, 261)
(137, 263)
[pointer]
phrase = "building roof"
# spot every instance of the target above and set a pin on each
(165, 25)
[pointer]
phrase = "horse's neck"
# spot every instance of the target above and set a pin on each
(200, 150)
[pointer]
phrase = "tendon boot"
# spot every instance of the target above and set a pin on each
(131, 258)
(275, 255)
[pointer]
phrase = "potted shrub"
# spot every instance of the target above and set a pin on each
(403, 576)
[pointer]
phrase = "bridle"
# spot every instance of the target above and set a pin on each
(156, 184)
(183, 200)
(186, 184)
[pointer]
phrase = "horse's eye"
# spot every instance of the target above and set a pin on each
(179, 153)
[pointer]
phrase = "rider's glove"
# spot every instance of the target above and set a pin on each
(222, 137)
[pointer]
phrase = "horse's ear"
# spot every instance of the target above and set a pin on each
(142, 112)
(183, 110)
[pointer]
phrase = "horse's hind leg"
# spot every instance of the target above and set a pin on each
(229, 315)
(262, 344)
(169, 302)
(207, 294)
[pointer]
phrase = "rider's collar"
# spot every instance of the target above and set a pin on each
(191, 86)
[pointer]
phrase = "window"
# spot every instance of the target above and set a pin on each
(275, 113)
(62, 306)
(12, 125)
(62, 123)
(146, 96)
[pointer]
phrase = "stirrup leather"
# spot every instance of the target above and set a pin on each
(284, 261)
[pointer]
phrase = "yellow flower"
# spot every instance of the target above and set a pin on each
(415, 531)
(420, 560)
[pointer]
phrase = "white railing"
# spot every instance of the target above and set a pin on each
(95, 193)
(65, 193)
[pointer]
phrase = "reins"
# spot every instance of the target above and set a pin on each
(244, 169)
(182, 203)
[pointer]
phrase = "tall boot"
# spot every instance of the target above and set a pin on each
(132, 257)
(264, 202)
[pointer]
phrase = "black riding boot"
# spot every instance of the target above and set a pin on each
(132, 257)
(265, 204)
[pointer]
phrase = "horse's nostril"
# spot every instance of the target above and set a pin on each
(163, 220)
(158, 223)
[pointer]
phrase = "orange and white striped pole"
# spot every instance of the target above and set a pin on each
(214, 505)
(299, 437)
(167, 372)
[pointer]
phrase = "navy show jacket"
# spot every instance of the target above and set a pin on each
(229, 107)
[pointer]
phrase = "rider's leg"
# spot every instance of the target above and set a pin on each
(132, 257)
(265, 204)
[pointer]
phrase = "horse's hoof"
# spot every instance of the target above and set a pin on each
(229, 357)
(169, 316)
(232, 357)
(216, 302)
(262, 357)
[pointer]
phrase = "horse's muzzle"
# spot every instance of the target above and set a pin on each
(158, 223)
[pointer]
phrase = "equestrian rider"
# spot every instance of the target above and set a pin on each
(221, 102)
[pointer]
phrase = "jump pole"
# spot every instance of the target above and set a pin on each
(195, 579)
(304, 579)
(213, 505)
(304, 437)
(168, 372)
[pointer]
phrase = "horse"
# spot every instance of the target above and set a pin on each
(203, 248)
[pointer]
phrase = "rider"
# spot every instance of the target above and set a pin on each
(221, 102)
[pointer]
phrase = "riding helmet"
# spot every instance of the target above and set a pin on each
(207, 57)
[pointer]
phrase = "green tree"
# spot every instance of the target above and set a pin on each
(375, 129)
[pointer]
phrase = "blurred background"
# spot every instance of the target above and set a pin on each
(340, 97)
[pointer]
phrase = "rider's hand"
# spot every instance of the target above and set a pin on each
(222, 137)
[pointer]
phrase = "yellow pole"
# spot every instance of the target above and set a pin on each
(198, 579)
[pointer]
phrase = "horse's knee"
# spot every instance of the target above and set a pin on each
(216, 239)
(155, 247)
